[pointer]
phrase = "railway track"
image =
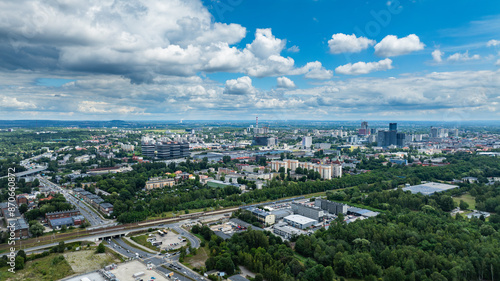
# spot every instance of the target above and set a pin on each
(130, 226)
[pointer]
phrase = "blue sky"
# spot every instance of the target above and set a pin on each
(237, 59)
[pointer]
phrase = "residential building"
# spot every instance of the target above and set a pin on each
(159, 183)
(106, 208)
(62, 214)
(20, 229)
(4, 206)
(326, 171)
(263, 216)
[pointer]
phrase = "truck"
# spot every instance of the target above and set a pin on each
(138, 274)
(170, 275)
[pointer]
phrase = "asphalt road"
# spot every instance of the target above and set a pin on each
(92, 216)
(157, 260)
(195, 243)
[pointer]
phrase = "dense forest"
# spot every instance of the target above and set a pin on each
(406, 245)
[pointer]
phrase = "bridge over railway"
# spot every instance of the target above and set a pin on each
(107, 232)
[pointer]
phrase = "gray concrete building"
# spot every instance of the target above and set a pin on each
(332, 207)
(314, 213)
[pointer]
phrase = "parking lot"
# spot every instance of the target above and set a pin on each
(169, 241)
(125, 271)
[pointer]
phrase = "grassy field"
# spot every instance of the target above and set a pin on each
(466, 198)
(197, 260)
(88, 260)
(52, 267)
(142, 240)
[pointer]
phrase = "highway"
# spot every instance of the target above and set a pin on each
(91, 215)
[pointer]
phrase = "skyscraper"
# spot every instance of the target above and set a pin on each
(391, 137)
(434, 132)
(364, 131)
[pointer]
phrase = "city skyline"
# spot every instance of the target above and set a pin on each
(234, 60)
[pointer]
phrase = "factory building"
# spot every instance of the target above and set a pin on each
(287, 231)
(314, 213)
(332, 207)
(280, 214)
(299, 221)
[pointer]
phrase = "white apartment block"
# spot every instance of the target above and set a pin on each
(326, 171)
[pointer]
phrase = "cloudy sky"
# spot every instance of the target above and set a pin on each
(237, 59)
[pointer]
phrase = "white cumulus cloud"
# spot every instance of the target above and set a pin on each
(437, 55)
(284, 82)
(240, 86)
(265, 44)
(344, 43)
(459, 57)
(106, 108)
(14, 103)
(364, 67)
(314, 70)
(391, 46)
(493, 43)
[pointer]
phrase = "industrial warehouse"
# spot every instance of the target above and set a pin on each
(293, 217)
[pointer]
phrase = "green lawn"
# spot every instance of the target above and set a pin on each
(142, 240)
(469, 199)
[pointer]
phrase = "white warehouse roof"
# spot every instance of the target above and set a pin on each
(299, 219)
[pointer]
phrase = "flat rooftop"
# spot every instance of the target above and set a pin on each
(299, 219)
(429, 188)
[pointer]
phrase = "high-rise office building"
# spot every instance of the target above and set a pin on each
(265, 141)
(307, 142)
(401, 139)
(166, 150)
(172, 150)
(364, 131)
(434, 132)
(391, 137)
(148, 149)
